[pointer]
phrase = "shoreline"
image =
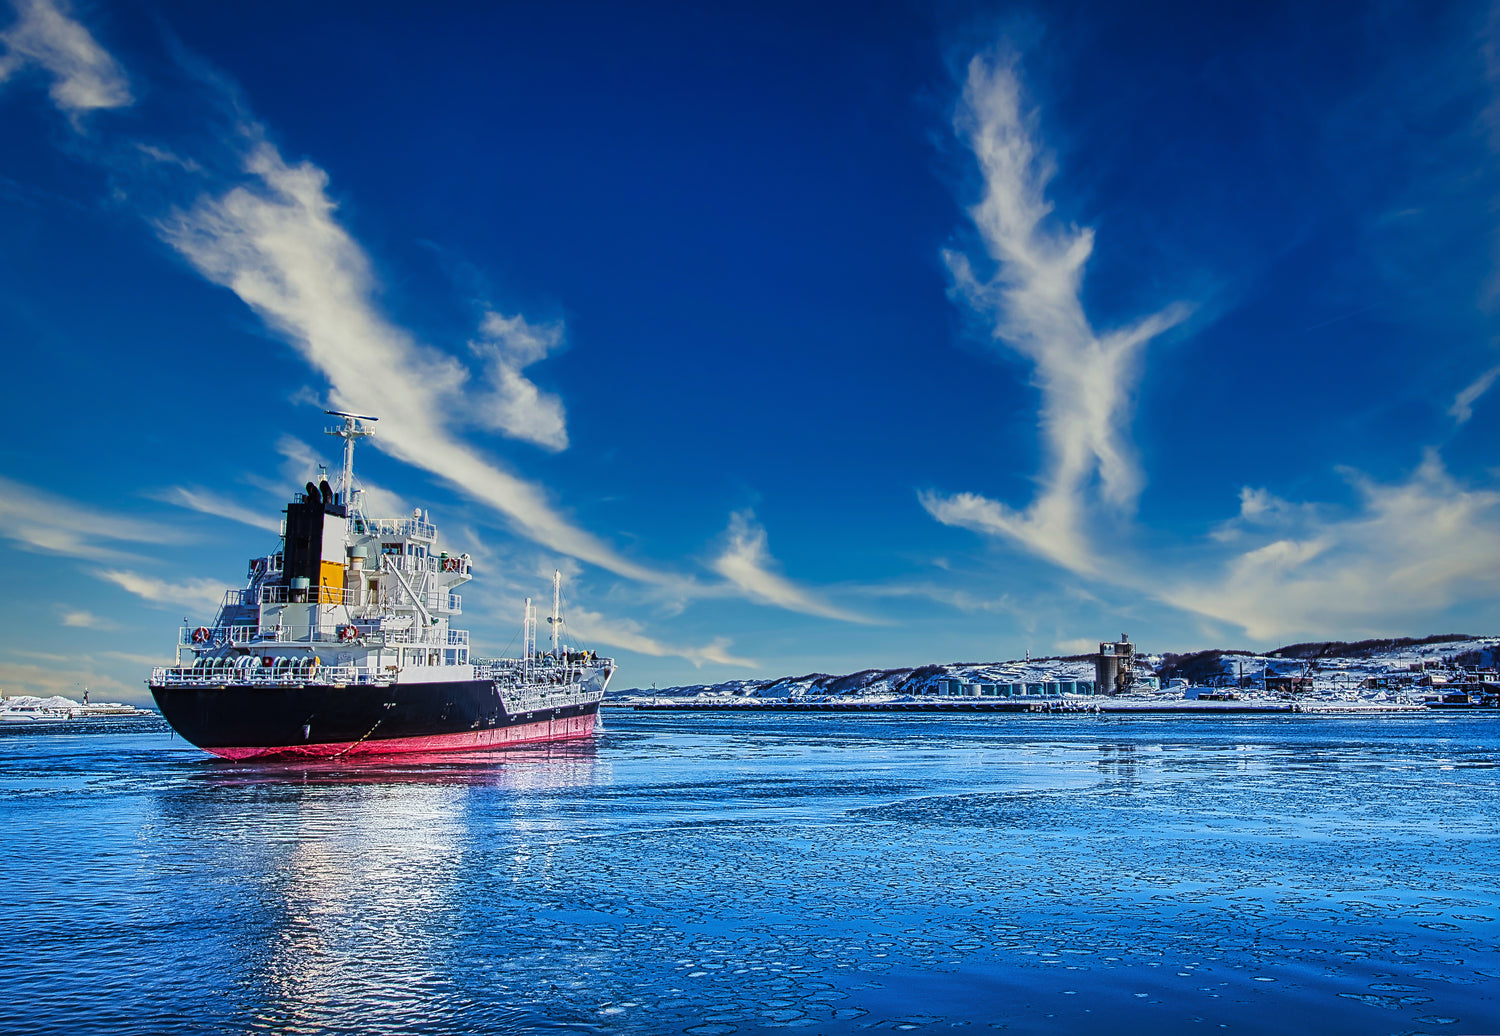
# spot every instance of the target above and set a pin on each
(1069, 708)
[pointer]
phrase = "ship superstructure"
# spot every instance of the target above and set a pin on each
(342, 642)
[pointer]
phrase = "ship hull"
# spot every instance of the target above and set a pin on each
(321, 721)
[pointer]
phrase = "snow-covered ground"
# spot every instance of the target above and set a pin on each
(28, 708)
(1367, 675)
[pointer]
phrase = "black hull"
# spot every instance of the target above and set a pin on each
(246, 722)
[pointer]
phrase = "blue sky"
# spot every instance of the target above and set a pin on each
(801, 337)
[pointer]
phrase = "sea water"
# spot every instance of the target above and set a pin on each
(716, 873)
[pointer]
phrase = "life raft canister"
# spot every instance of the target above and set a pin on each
(201, 635)
(348, 634)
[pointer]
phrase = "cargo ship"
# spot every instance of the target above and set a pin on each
(341, 644)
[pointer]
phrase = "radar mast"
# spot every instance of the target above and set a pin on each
(352, 429)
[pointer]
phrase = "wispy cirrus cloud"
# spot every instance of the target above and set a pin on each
(208, 502)
(1033, 298)
(85, 77)
(82, 619)
(47, 523)
(274, 240)
(514, 405)
(206, 594)
(630, 635)
(1412, 549)
(66, 680)
(747, 563)
(300, 463)
(1463, 403)
(954, 597)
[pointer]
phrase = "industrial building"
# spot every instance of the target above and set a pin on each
(1114, 666)
(953, 687)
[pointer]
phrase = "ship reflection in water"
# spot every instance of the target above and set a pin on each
(368, 873)
(710, 874)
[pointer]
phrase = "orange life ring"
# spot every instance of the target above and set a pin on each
(348, 634)
(201, 635)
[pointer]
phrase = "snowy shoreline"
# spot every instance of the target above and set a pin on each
(29, 708)
(1401, 678)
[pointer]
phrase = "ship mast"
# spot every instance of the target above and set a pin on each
(556, 618)
(351, 430)
(528, 638)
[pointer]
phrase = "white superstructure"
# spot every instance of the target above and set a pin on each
(354, 599)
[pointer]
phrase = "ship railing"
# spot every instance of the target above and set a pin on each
(396, 527)
(368, 635)
(265, 676)
(518, 701)
(543, 672)
(428, 637)
(309, 595)
(431, 564)
(432, 600)
(215, 636)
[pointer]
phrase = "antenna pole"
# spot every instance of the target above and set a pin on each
(556, 611)
(351, 430)
(528, 639)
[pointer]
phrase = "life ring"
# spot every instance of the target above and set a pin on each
(452, 565)
(201, 635)
(348, 634)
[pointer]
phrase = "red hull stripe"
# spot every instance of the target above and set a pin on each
(524, 733)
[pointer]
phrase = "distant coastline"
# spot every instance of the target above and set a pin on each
(1388, 675)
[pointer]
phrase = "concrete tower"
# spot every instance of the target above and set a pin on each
(1114, 666)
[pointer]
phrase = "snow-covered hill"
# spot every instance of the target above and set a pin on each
(1368, 670)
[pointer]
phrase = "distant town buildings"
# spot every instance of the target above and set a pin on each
(953, 687)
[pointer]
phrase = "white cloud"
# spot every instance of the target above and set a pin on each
(961, 600)
(1076, 646)
(1463, 403)
(208, 502)
(274, 241)
(43, 522)
(165, 658)
(746, 562)
(1260, 508)
(1033, 297)
(206, 594)
(1412, 549)
(515, 406)
(1415, 548)
(165, 156)
(628, 634)
(84, 75)
(87, 620)
(45, 681)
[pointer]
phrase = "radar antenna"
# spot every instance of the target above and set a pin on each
(351, 429)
